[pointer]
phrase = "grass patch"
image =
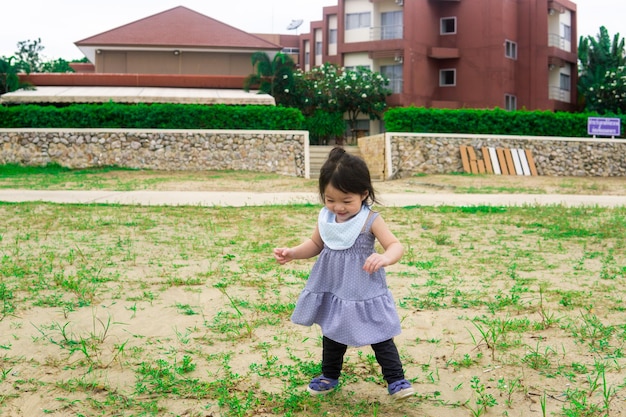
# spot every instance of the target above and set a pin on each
(57, 177)
(134, 310)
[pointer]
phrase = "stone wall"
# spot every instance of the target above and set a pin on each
(389, 155)
(281, 152)
(407, 154)
(371, 149)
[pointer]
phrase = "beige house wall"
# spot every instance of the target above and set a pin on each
(174, 62)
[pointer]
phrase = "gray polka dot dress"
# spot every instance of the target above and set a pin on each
(351, 306)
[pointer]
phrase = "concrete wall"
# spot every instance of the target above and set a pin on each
(406, 154)
(281, 152)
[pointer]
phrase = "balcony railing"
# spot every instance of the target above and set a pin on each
(557, 93)
(381, 33)
(557, 41)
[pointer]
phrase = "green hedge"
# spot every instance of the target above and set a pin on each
(151, 116)
(489, 122)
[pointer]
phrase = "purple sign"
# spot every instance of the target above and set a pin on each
(604, 126)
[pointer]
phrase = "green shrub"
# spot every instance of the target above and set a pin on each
(151, 116)
(489, 122)
(323, 126)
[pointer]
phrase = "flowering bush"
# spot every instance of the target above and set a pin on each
(608, 94)
(602, 81)
(333, 89)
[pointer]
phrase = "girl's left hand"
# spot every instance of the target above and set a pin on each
(374, 262)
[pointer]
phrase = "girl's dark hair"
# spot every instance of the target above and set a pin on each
(347, 173)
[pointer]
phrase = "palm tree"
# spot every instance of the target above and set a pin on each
(9, 78)
(272, 76)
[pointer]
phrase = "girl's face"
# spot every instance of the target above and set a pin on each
(343, 205)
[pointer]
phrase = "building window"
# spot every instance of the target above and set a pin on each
(358, 20)
(566, 32)
(565, 82)
(307, 57)
(447, 78)
(510, 49)
(361, 128)
(510, 102)
(357, 68)
(332, 36)
(391, 25)
(318, 48)
(448, 26)
(394, 74)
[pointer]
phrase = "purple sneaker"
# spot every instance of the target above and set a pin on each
(321, 385)
(400, 390)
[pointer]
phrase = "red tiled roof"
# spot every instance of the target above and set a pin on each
(178, 27)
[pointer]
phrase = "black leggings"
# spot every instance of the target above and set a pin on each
(386, 355)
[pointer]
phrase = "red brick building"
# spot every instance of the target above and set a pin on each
(512, 54)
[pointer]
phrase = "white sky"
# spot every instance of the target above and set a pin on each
(60, 23)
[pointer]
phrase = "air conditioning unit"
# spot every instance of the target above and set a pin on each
(400, 2)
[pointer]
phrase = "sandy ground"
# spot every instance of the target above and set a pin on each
(419, 184)
(434, 341)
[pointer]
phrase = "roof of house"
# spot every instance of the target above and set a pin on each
(179, 27)
(97, 94)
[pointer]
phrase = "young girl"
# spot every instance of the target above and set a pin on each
(347, 293)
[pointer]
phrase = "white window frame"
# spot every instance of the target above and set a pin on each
(510, 102)
(358, 20)
(510, 49)
(442, 77)
(442, 25)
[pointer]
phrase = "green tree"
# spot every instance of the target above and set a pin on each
(602, 73)
(29, 53)
(57, 65)
(272, 76)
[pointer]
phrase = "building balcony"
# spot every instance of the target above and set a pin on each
(557, 93)
(443, 53)
(382, 53)
(382, 33)
(554, 6)
(557, 41)
(560, 56)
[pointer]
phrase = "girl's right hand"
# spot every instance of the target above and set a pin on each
(283, 255)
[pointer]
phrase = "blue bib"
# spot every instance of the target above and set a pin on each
(339, 236)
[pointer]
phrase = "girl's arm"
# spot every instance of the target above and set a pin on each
(392, 246)
(307, 249)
